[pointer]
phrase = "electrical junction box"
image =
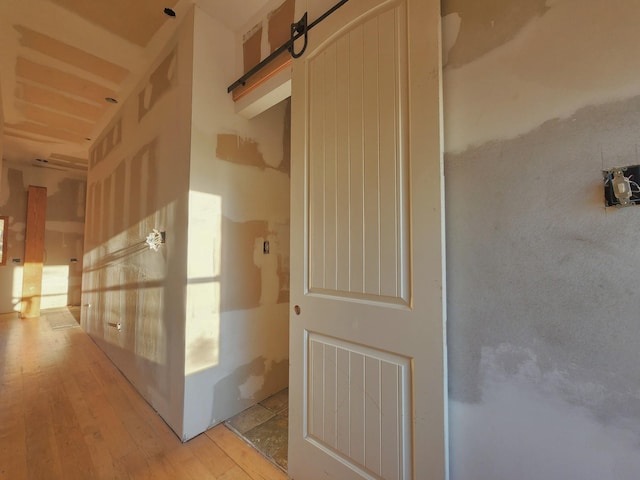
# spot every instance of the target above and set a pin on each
(632, 173)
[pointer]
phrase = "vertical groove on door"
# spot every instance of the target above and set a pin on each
(330, 181)
(316, 190)
(388, 142)
(357, 223)
(372, 414)
(343, 177)
(34, 252)
(356, 160)
(357, 406)
(371, 219)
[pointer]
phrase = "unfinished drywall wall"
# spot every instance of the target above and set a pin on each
(1, 135)
(279, 24)
(108, 140)
(122, 18)
(237, 310)
(543, 310)
(158, 165)
(268, 29)
(265, 32)
(64, 234)
(251, 47)
(133, 297)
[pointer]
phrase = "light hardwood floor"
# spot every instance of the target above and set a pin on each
(67, 413)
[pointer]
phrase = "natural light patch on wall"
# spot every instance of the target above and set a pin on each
(55, 286)
(150, 331)
(543, 74)
(16, 295)
(125, 285)
(203, 282)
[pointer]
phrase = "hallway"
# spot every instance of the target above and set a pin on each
(67, 413)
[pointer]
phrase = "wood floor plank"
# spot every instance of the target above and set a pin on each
(13, 444)
(247, 458)
(42, 459)
(74, 454)
(236, 473)
(97, 447)
(211, 456)
(68, 413)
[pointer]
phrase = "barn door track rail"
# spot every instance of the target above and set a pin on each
(298, 30)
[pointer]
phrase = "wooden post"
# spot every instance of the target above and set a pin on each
(33, 252)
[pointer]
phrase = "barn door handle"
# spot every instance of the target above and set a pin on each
(298, 29)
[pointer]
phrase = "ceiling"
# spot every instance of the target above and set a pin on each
(60, 60)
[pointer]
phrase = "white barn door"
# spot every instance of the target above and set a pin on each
(367, 351)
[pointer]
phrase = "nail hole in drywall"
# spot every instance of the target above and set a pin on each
(169, 12)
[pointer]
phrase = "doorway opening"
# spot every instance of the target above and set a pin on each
(265, 425)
